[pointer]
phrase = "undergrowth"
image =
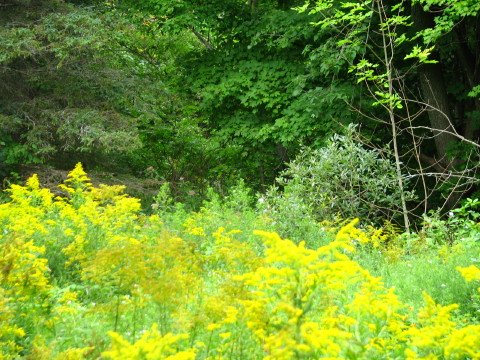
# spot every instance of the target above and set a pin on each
(87, 275)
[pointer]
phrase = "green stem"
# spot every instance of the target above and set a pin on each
(117, 313)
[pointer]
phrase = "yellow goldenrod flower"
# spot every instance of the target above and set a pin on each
(470, 273)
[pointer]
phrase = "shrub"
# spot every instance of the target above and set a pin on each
(341, 179)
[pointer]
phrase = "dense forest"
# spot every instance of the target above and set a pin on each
(240, 179)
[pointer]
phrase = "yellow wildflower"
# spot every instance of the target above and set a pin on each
(470, 273)
(464, 343)
(213, 327)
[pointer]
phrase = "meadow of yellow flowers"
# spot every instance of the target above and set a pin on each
(88, 275)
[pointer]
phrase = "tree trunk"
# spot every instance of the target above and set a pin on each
(435, 96)
(434, 93)
(470, 61)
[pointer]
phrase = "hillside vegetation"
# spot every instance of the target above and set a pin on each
(267, 179)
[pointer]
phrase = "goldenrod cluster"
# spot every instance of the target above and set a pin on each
(86, 276)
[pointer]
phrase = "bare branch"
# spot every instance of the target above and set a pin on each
(201, 38)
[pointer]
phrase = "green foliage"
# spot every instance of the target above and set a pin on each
(235, 210)
(343, 179)
(429, 270)
(255, 74)
(83, 83)
(201, 93)
(461, 223)
(475, 92)
(384, 37)
(61, 87)
(453, 12)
